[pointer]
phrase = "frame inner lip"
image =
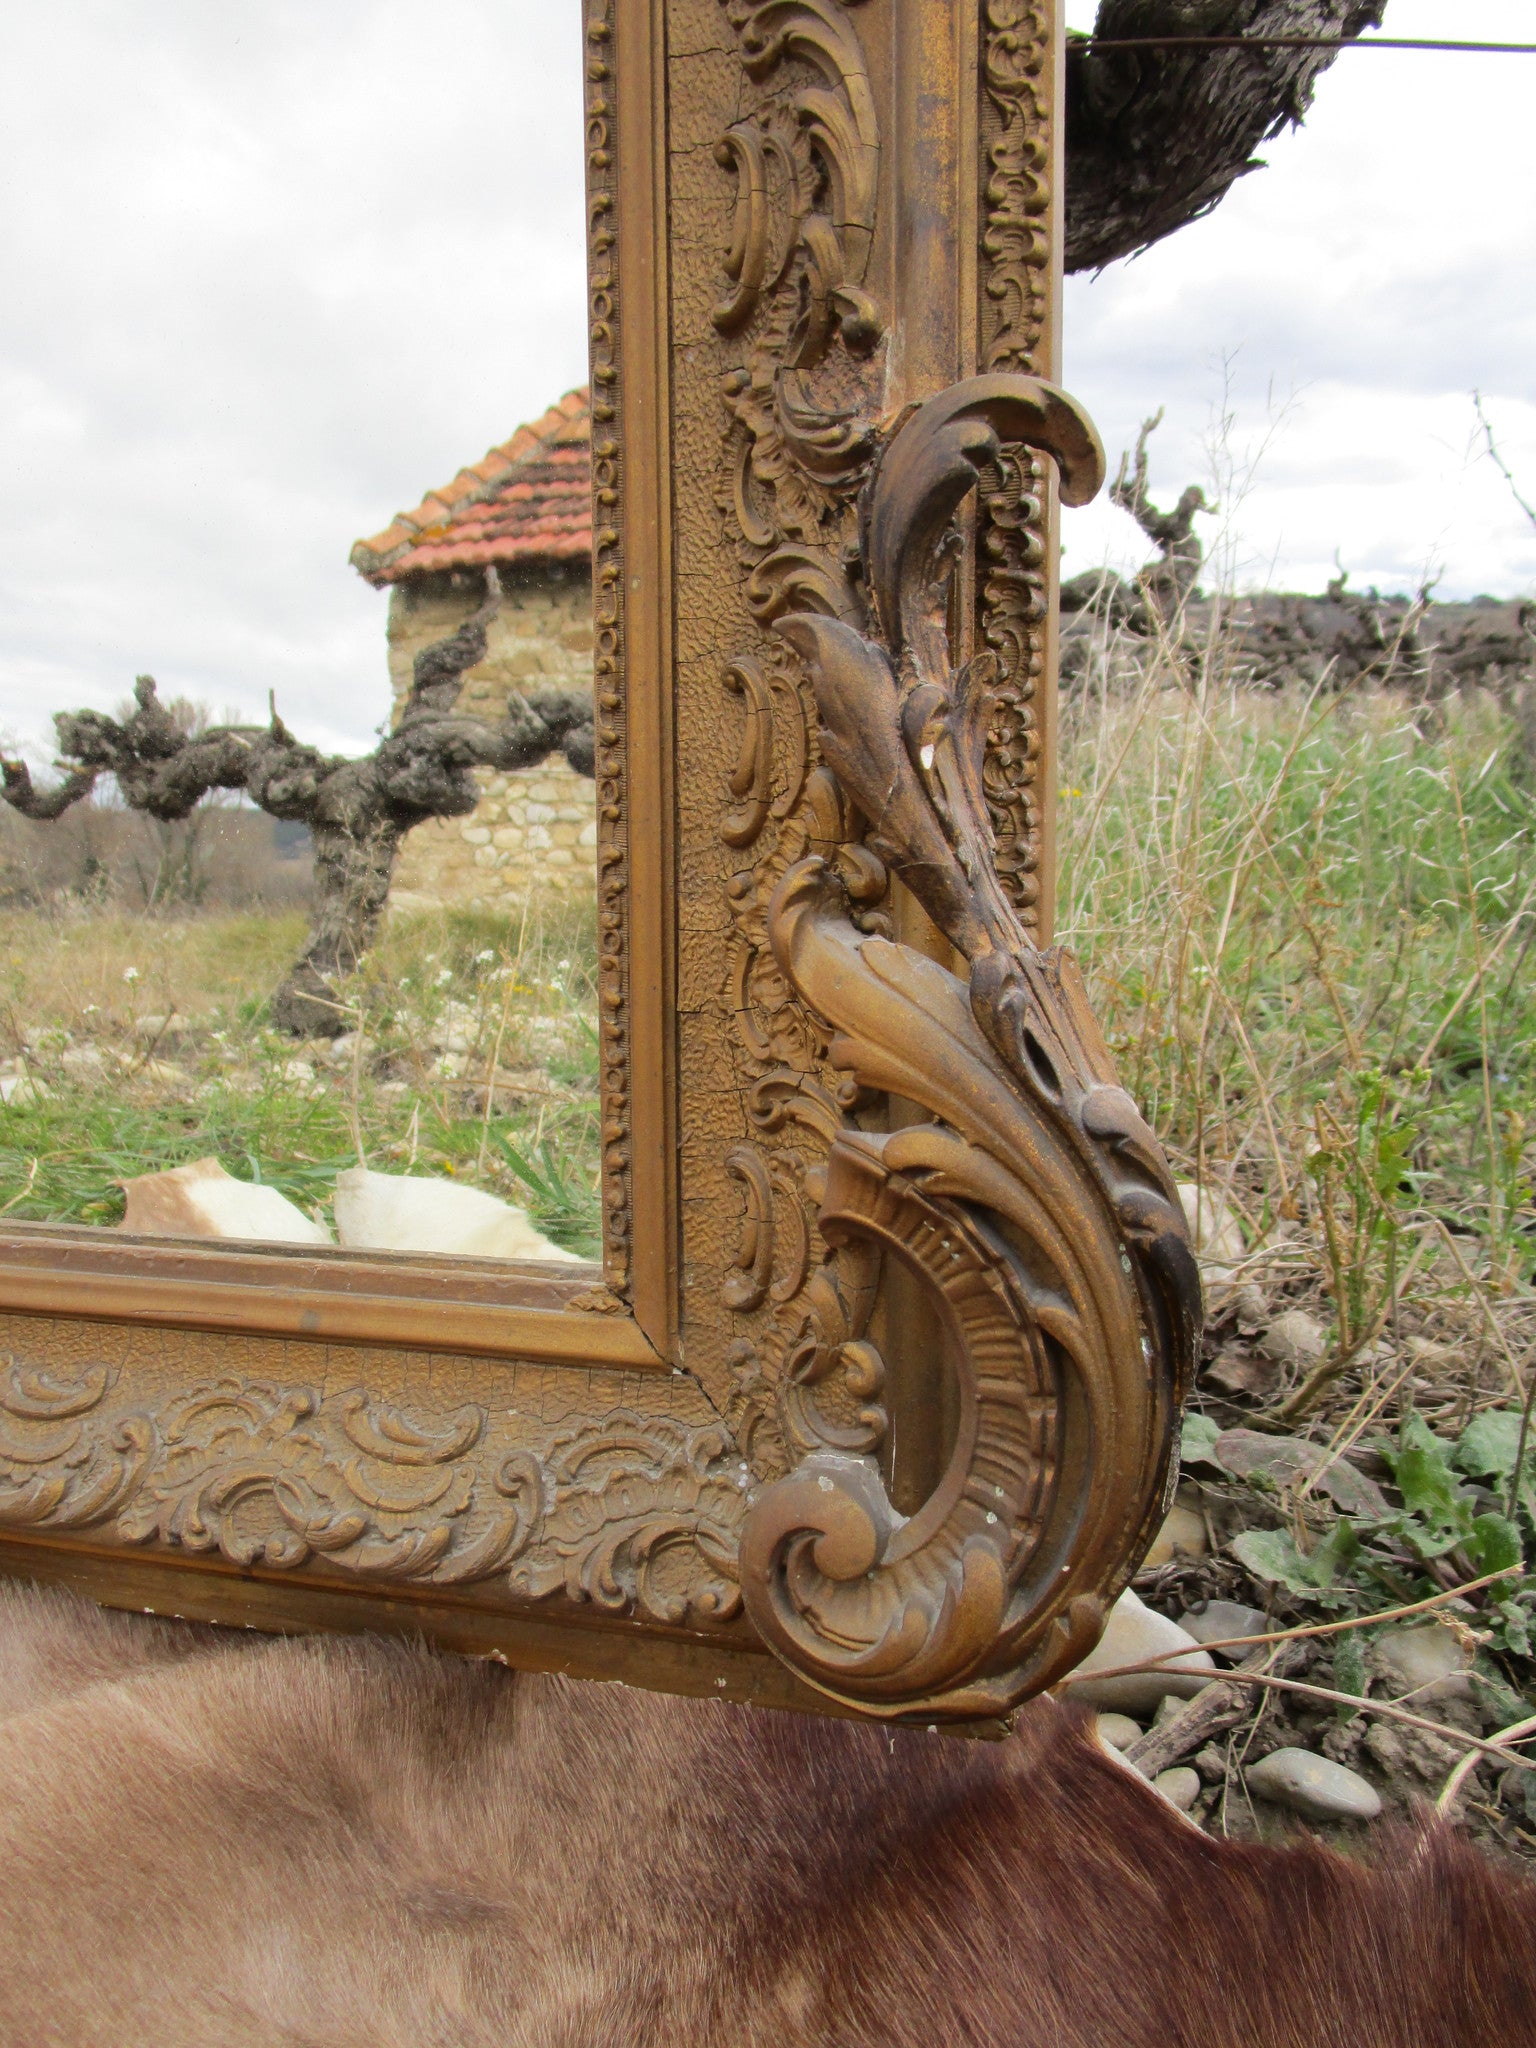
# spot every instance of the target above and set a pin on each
(404, 1300)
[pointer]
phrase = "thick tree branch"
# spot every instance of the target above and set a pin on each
(1155, 138)
(1171, 578)
(358, 811)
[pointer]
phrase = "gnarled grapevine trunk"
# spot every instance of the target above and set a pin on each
(358, 811)
(1155, 138)
(352, 877)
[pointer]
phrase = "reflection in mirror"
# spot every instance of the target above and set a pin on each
(318, 968)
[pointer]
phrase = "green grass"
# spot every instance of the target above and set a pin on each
(518, 998)
(1307, 925)
(1307, 929)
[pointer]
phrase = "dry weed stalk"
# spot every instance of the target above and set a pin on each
(1280, 897)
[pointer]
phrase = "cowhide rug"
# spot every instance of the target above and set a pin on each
(211, 1838)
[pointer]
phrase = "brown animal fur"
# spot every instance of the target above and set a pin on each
(209, 1839)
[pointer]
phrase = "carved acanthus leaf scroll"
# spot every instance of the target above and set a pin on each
(634, 1514)
(643, 1515)
(806, 159)
(278, 1476)
(60, 1465)
(1037, 1208)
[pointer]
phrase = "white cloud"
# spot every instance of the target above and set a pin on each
(272, 272)
(1341, 306)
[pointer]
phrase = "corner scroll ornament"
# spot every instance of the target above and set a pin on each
(1036, 1208)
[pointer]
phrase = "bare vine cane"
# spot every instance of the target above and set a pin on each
(1037, 1207)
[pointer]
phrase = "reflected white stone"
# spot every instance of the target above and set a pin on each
(411, 1213)
(22, 1090)
(202, 1200)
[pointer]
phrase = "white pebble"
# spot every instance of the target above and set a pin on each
(1313, 1786)
(1118, 1731)
(1134, 1633)
(1223, 1621)
(1423, 1665)
(1182, 1534)
(1294, 1339)
(1180, 1786)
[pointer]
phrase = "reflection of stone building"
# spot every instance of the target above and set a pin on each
(528, 508)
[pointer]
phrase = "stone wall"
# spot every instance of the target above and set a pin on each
(537, 827)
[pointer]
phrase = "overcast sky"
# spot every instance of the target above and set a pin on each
(1341, 307)
(272, 271)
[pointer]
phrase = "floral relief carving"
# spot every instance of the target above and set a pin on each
(1013, 595)
(630, 1513)
(609, 735)
(642, 1515)
(1011, 555)
(810, 1380)
(801, 405)
(1016, 124)
(746, 1285)
(277, 1476)
(62, 1464)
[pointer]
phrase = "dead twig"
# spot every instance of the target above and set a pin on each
(1517, 1732)
(1215, 1707)
(1496, 456)
(1334, 1368)
(1326, 1693)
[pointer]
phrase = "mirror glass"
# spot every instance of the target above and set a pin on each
(297, 853)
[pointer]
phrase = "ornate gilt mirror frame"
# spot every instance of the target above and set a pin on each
(871, 1408)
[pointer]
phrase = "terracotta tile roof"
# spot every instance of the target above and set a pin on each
(530, 500)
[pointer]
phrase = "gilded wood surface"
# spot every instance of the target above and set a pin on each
(1036, 1209)
(780, 349)
(1018, 218)
(604, 1490)
(610, 725)
(823, 550)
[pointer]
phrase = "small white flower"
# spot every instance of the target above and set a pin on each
(481, 958)
(130, 974)
(445, 974)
